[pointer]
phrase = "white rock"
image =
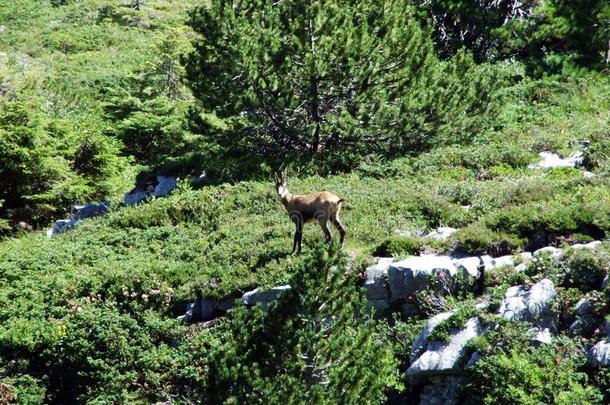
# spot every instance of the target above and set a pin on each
(554, 252)
(599, 355)
(163, 186)
(443, 358)
(488, 261)
(263, 297)
(591, 245)
(550, 160)
(503, 261)
(468, 265)
(520, 267)
(375, 283)
(442, 233)
(541, 335)
(413, 274)
(587, 174)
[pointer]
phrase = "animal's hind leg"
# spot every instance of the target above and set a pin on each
(324, 225)
(342, 231)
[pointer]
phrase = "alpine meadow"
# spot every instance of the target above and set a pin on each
(151, 251)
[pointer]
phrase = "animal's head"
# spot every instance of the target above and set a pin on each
(280, 183)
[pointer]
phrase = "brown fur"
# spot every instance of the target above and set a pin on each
(303, 208)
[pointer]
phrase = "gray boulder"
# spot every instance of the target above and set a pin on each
(422, 339)
(201, 310)
(552, 251)
(599, 355)
(442, 233)
(533, 305)
(159, 187)
(61, 226)
(263, 297)
(414, 274)
(375, 282)
(83, 211)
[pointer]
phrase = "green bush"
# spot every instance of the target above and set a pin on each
(249, 81)
(586, 269)
(476, 239)
(314, 345)
(597, 154)
(46, 164)
(525, 375)
(398, 246)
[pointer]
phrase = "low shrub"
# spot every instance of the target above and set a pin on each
(586, 269)
(597, 154)
(394, 246)
(527, 375)
(476, 239)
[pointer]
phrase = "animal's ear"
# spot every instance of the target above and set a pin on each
(284, 176)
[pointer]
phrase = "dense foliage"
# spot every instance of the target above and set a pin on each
(429, 113)
(342, 79)
(314, 345)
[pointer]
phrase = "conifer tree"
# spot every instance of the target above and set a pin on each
(314, 345)
(332, 75)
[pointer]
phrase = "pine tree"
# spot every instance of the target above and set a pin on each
(314, 345)
(332, 75)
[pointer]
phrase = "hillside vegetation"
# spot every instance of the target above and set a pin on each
(96, 93)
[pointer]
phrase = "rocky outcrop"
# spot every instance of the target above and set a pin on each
(552, 251)
(77, 213)
(205, 309)
(415, 273)
(158, 187)
(443, 233)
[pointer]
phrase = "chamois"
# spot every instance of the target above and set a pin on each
(304, 208)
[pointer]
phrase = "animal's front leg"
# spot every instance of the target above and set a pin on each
(295, 241)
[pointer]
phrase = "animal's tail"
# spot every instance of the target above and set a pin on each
(341, 200)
